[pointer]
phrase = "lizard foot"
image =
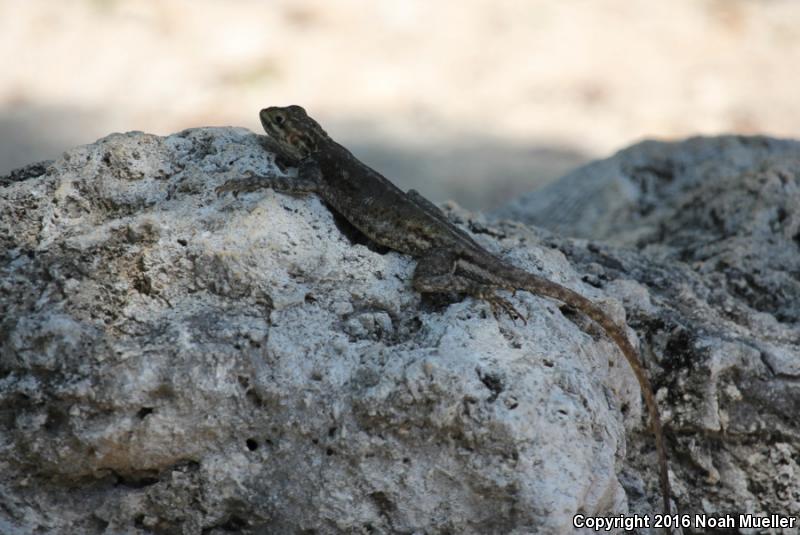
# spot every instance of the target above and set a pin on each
(500, 305)
(249, 183)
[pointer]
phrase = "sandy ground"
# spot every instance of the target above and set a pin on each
(476, 100)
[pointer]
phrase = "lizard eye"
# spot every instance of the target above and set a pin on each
(279, 119)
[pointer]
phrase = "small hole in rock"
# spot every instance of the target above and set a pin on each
(252, 445)
(253, 397)
(183, 242)
(144, 412)
(234, 524)
(329, 452)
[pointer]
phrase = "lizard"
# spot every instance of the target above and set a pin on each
(448, 259)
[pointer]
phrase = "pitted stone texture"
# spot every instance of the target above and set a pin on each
(174, 362)
(710, 228)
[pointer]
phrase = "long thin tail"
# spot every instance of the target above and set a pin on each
(544, 287)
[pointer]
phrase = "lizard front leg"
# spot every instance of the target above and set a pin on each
(437, 272)
(307, 181)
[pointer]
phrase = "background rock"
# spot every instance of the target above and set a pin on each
(711, 228)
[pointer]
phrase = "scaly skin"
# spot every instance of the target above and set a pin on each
(449, 260)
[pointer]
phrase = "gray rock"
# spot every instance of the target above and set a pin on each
(174, 362)
(629, 196)
(710, 228)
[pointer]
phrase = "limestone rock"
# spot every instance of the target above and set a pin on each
(175, 362)
(710, 229)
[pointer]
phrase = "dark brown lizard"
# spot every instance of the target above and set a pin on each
(448, 259)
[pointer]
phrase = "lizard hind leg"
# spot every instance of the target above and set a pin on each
(436, 273)
(500, 304)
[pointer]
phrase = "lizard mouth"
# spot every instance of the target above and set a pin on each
(264, 116)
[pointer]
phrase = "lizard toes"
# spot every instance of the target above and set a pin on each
(219, 190)
(500, 305)
(225, 188)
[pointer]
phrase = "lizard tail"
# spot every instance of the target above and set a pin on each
(541, 286)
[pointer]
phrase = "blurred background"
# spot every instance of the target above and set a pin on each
(472, 100)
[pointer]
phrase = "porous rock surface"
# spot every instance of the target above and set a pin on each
(176, 362)
(711, 228)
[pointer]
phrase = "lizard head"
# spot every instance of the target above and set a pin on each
(293, 130)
